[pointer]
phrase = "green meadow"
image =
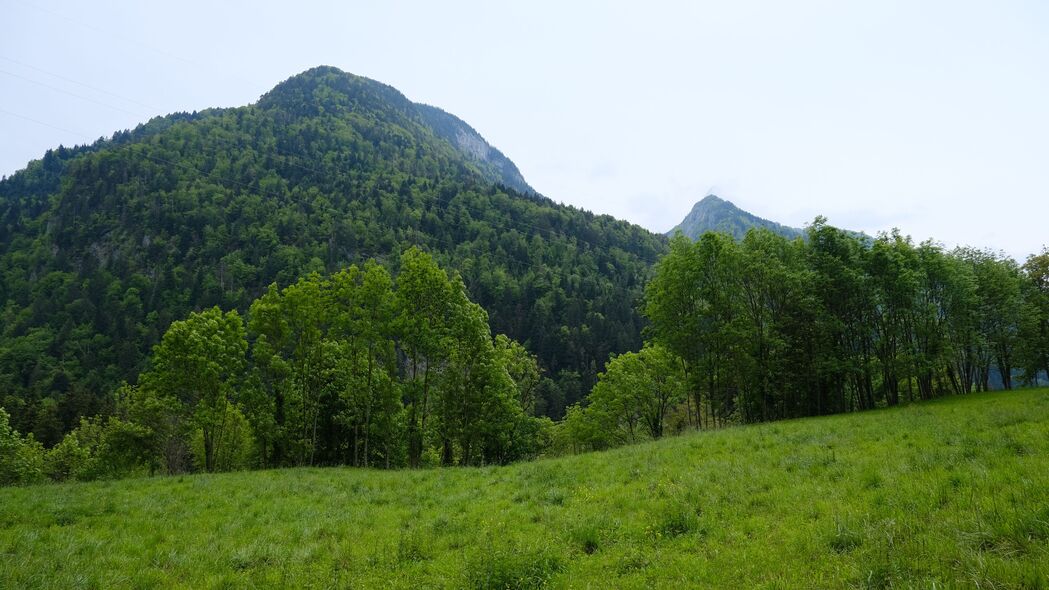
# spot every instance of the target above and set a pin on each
(942, 494)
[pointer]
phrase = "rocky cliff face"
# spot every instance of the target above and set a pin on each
(491, 161)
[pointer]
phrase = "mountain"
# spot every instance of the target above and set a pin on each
(713, 213)
(102, 246)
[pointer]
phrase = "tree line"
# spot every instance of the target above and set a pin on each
(355, 368)
(769, 328)
(369, 368)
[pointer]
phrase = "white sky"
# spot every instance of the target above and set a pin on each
(929, 116)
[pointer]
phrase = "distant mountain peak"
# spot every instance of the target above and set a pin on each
(712, 213)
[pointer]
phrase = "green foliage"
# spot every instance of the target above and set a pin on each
(1034, 327)
(692, 304)
(155, 430)
(352, 368)
(21, 459)
(103, 247)
(771, 328)
(199, 366)
(582, 431)
(930, 494)
(632, 398)
(237, 448)
(70, 459)
(97, 449)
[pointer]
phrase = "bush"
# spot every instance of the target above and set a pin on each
(21, 459)
(68, 459)
(235, 448)
(531, 437)
(97, 450)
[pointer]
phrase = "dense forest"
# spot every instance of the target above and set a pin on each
(769, 328)
(355, 368)
(102, 247)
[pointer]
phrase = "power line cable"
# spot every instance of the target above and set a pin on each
(38, 122)
(78, 83)
(110, 34)
(63, 91)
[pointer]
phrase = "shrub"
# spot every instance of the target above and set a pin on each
(234, 450)
(68, 459)
(21, 459)
(98, 449)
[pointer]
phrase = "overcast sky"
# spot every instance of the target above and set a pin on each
(928, 116)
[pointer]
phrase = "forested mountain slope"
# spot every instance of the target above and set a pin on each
(102, 247)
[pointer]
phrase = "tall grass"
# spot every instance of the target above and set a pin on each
(950, 493)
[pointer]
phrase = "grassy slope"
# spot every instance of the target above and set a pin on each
(953, 491)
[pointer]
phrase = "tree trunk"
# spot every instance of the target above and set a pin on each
(1006, 369)
(209, 450)
(356, 444)
(446, 452)
(421, 434)
(925, 385)
(368, 405)
(414, 450)
(697, 396)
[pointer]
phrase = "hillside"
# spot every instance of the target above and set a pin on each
(713, 213)
(937, 494)
(103, 246)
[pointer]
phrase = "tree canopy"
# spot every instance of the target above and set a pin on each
(360, 368)
(771, 327)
